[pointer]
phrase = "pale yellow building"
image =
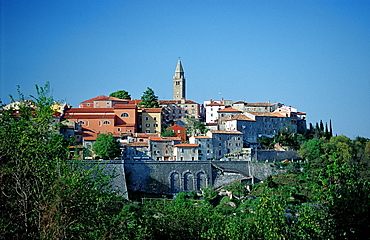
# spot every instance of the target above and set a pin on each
(150, 120)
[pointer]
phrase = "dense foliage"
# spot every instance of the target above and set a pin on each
(122, 94)
(106, 147)
(149, 99)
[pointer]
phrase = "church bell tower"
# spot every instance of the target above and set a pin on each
(179, 83)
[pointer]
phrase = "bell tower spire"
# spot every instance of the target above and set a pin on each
(179, 82)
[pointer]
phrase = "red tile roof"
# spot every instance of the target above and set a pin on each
(202, 137)
(186, 145)
(230, 109)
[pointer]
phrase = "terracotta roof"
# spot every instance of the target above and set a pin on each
(200, 137)
(230, 109)
(176, 101)
(266, 114)
(225, 132)
(186, 145)
(137, 144)
(158, 139)
(242, 117)
(211, 124)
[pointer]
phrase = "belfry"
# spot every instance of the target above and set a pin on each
(179, 82)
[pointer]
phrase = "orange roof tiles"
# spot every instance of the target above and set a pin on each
(230, 109)
(266, 114)
(186, 145)
(202, 137)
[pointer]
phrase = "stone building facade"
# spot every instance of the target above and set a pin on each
(225, 142)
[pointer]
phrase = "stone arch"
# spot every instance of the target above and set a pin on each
(175, 183)
(188, 181)
(201, 180)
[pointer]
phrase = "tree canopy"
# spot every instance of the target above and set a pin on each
(122, 94)
(149, 99)
(42, 195)
(106, 147)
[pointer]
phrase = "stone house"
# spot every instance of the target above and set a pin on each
(161, 148)
(174, 110)
(205, 146)
(256, 107)
(185, 152)
(225, 142)
(224, 115)
(257, 124)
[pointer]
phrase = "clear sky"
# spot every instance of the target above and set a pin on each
(312, 55)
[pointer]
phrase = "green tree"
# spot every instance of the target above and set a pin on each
(168, 132)
(106, 147)
(122, 94)
(194, 127)
(43, 195)
(149, 99)
(266, 142)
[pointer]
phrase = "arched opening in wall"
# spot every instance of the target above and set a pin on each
(201, 181)
(175, 182)
(188, 182)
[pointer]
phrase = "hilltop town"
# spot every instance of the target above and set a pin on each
(168, 131)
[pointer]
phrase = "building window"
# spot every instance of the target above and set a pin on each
(178, 131)
(155, 125)
(88, 104)
(155, 118)
(124, 114)
(118, 129)
(81, 122)
(106, 122)
(147, 131)
(146, 118)
(147, 125)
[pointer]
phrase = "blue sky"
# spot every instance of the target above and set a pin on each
(312, 55)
